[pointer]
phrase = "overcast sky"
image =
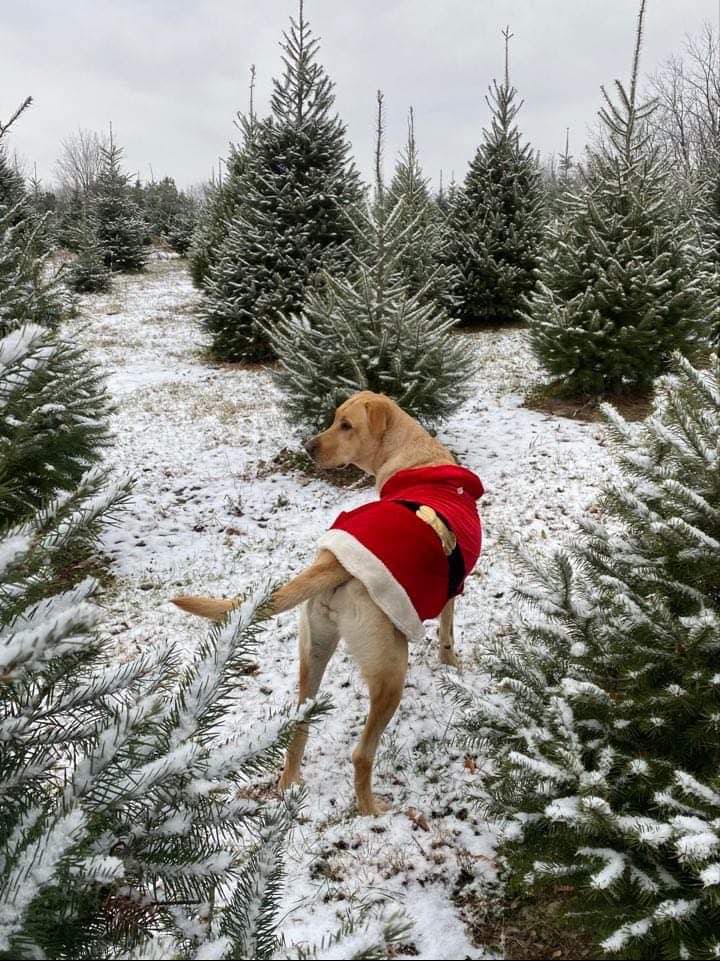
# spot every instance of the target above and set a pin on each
(170, 74)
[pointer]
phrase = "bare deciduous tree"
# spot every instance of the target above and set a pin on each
(687, 121)
(79, 163)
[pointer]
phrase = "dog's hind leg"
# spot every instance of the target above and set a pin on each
(446, 634)
(318, 638)
(381, 652)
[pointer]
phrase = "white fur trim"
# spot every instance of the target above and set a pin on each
(389, 595)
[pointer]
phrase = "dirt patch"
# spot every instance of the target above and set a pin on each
(295, 461)
(550, 399)
(528, 930)
(491, 327)
(210, 359)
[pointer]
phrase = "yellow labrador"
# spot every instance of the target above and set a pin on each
(372, 432)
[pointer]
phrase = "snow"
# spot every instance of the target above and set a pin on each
(209, 515)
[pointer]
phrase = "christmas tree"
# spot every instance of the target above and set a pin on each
(370, 331)
(602, 720)
(29, 289)
(123, 823)
(496, 221)
(54, 427)
(120, 227)
(290, 222)
(169, 213)
(87, 274)
(421, 264)
(622, 283)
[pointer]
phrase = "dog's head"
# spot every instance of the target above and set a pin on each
(356, 433)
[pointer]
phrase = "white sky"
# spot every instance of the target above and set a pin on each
(170, 74)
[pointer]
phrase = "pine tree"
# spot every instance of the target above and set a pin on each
(602, 721)
(422, 262)
(181, 228)
(30, 290)
(87, 274)
(370, 331)
(290, 222)
(622, 284)
(559, 177)
(54, 427)
(495, 225)
(120, 227)
(169, 213)
(123, 825)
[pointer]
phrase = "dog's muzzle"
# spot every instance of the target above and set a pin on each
(311, 446)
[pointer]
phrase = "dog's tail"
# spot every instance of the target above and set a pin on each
(324, 574)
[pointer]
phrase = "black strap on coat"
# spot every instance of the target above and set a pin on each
(456, 564)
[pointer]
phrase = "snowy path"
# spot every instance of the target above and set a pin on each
(194, 433)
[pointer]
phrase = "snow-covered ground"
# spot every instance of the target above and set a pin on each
(208, 517)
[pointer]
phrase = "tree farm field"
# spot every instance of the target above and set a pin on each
(416, 410)
(201, 519)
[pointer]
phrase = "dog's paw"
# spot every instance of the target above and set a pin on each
(287, 779)
(449, 658)
(374, 807)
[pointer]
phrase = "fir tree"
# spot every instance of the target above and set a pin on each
(120, 819)
(370, 331)
(122, 825)
(30, 290)
(73, 206)
(621, 285)
(290, 222)
(54, 427)
(602, 722)
(181, 228)
(169, 213)
(87, 274)
(421, 263)
(120, 227)
(495, 225)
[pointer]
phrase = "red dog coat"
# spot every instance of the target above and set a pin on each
(399, 557)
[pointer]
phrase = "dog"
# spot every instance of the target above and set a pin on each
(377, 603)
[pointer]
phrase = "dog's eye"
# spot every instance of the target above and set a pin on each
(345, 425)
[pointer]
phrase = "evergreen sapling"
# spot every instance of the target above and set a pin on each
(421, 263)
(120, 227)
(603, 713)
(495, 223)
(87, 274)
(290, 222)
(369, 331)
(622, 284)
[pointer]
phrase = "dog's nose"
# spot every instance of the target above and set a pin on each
(310, 445)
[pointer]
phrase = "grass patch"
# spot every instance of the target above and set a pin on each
(93, 565)
(553, 399)
(288, 461)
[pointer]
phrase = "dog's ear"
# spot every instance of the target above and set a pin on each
(378, 416)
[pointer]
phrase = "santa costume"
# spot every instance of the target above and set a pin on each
(412, 548)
